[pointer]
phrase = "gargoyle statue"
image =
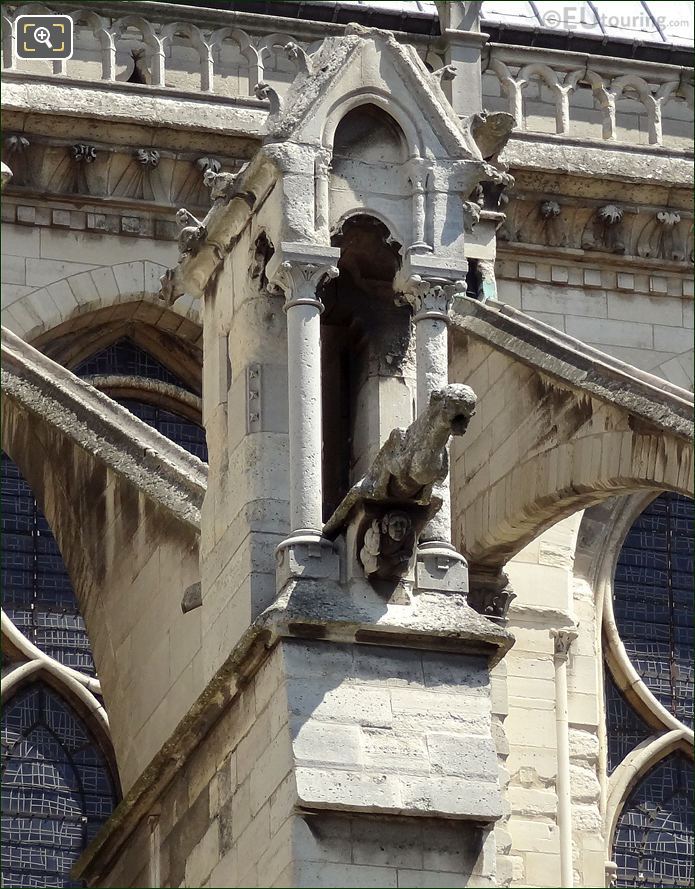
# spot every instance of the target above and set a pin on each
(490, 131)
(414, 461)
(193, 233)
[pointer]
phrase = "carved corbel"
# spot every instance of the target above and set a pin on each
(82, 153)
(17, 148)
(553, 226)
(662, 238)
(208, 163)
(5, 175)
(147, 157)
(264, 91)
(490, 593)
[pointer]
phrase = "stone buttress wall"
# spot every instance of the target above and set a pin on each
(303, 780)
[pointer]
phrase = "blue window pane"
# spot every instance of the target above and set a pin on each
(624, 728)
(654, 837)
(57, 790)
(185, 433)
(37, 593)
(124, 357)
(653, 603)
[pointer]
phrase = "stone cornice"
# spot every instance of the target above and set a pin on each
(164, 472)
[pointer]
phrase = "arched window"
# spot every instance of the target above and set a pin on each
(652, 609)
(654, 837)
(37, 593)
(653, 601)
(57, 790)
(125, 359)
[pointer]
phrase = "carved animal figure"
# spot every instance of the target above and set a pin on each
(490, 130)
(415, 459)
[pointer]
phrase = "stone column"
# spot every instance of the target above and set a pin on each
(431, 297)
(562, 640)
(299, 278)
(431, 300)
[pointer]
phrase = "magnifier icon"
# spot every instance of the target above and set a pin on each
(43, 35)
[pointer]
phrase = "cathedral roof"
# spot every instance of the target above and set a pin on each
(670, 23)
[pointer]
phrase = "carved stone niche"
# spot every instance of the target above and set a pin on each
(382, 538)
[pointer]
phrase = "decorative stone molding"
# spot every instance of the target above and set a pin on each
(606, 228)
(112, 172)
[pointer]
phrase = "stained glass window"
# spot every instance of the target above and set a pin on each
(624, 727)
(186, 433)
(126, 357)
(654, 835)
(653, 601)
(57, 790)
(36, 590)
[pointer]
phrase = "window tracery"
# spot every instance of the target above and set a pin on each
(651, 611)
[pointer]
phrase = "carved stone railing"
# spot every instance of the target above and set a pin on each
(213, 58)
(228, 54)
(612, 83)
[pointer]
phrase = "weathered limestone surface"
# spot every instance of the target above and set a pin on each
(125, 505)
(560, 426)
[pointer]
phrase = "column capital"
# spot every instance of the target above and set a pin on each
(563, 640)
(430, 297)
(297, 270)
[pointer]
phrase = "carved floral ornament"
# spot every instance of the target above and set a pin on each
(147, 157)
(83, 153)
(613, 228)
(430, 297)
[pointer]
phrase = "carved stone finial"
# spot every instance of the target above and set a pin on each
(83, 153)
(563, 640)
(265, 91)
(610, 214)
(148, 157)
(550, 209)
